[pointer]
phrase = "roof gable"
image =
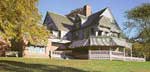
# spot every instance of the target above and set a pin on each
(94, 18)
(107, 13)
(50, 23)
(108, 16)
(105, 22)
(61, 22)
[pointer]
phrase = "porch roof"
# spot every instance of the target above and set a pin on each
(80, 43)
(101, 41)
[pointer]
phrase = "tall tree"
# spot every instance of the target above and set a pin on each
(20, 21)
(139, 18)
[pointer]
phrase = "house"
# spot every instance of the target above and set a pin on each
(88, 35)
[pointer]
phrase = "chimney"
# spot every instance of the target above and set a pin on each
(87, 10)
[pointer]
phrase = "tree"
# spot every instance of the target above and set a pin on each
(19, 21)
(139, 18)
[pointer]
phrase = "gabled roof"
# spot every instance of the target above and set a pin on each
(112, 22)
(105, 22)
(61, 22)
(104, 18)
(94, 18)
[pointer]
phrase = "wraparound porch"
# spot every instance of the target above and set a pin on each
(98, 55)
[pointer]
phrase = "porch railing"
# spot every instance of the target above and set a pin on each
(112, 55)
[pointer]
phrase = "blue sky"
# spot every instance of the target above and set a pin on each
(118, 7)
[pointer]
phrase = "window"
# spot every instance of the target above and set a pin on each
(92, 32)
(118, 35)
(110, 34)
(107, 34)
(56, 33)
(38, 50)
(59, 34)
(99, 33)
(103, 33)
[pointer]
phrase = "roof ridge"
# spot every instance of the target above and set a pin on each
(56, 13)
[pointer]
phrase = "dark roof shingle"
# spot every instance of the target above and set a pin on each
(62, 22)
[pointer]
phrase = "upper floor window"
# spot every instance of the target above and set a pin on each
(99, 33)
(118, 35)
(92, 32)
(103, 33)
(57, 34)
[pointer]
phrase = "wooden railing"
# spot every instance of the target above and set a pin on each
(112, 55)
(98, 54)
(117, 53)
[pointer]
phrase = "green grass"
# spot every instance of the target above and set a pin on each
(54, 65)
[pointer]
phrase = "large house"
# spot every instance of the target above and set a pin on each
(88, 35)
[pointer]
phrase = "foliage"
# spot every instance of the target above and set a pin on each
(19, 20)
(139, 18)
(53, 65)
(141, 49)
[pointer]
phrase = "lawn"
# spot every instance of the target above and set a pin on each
(54, 65)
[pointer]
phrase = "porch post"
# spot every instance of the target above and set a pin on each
(96, 33)
(110, 53)
(131, 53)
(89, 54)
(124, 52)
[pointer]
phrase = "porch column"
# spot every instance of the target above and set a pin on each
(96, 33)
(124, 52)
(89, 54)
(110, 53)
(131, 52)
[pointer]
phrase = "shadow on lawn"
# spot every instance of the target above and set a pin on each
(25, 67)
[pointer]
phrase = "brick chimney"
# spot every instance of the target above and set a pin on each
(87, 10)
